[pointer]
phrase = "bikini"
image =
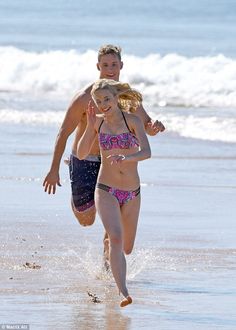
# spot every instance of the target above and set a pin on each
(125, 140)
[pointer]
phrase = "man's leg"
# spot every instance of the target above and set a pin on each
(106, 251)
(83, 177)
(85, 218)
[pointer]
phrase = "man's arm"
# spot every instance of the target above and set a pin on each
(72, 118)
(152, 127)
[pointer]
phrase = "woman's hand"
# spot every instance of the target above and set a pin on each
(91, 115)
(116, 159)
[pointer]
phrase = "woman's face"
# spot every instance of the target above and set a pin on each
(105, 101)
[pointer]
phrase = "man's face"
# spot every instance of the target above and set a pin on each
(109, 67)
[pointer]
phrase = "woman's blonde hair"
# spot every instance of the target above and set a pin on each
(128, 98)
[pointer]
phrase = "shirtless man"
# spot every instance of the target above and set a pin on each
(83, 173)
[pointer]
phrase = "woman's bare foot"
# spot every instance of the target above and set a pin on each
(126, 301)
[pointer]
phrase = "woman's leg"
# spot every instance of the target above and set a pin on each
(129, 219)
(108, 209)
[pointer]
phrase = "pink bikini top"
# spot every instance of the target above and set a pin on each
(125, 140)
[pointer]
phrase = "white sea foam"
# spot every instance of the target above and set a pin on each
(35, 88)
(30, 117)
(210, 128)
(164, 80)
(193, 125)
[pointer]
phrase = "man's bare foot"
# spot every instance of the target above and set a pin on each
(126, 301)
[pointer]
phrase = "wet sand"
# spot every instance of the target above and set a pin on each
(181, 274)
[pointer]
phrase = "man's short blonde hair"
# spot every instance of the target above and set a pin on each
(109, 49)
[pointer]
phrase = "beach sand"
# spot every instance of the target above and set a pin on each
(181, 274)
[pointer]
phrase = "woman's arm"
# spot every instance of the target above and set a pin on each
(87, 139)
(144, 148)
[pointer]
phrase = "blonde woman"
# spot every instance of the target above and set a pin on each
(123, 143)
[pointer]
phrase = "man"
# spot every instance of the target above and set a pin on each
(83, 173)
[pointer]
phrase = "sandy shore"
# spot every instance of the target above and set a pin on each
(181, 274)
(176, 273)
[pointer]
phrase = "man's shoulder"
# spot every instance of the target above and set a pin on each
(132, 118)
(82, 97)
(130, 115)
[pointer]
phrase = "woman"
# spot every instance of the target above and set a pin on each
(123, 143)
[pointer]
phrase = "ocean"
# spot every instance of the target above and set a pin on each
(181, 55)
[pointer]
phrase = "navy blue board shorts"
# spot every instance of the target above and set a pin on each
(83, 178)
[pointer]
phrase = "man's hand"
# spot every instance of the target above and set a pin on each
(154, 127)
(51, 181)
